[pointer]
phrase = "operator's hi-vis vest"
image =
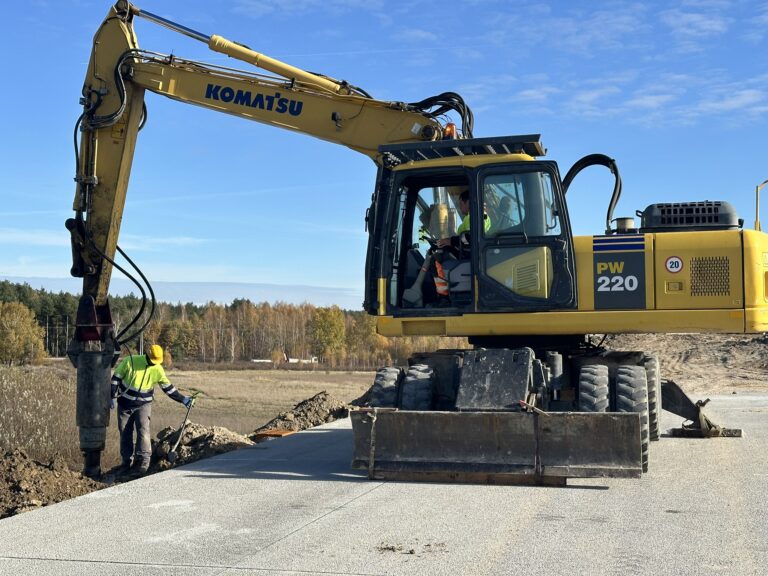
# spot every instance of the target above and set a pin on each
(464, 226)
(440, 278)
(135, 378)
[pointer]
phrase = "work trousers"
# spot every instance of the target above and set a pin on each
(128, 420)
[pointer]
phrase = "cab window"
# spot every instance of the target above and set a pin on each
(520, 203)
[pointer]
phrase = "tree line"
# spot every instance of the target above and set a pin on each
(236, 332)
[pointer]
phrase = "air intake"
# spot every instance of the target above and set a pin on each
(710, 276)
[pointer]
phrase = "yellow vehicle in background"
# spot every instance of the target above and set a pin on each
(535, 400)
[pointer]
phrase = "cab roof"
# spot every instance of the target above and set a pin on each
(396, 154)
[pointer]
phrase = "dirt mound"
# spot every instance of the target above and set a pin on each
(26, 484)
(704, 363)
(319, 409)
(197, 442)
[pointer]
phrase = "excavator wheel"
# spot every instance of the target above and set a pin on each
(384, 389)
(593, 388)
(416, 389)
(652, 371)
(632, 396)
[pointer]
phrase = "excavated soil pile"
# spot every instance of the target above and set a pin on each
(197, 442)
(26, 484)
(319, 409)
(704, 363)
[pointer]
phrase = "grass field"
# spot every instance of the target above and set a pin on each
(37, 404)
(246, 399)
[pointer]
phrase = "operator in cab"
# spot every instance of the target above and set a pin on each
(457, 246)
(133, 385)
(455, 241)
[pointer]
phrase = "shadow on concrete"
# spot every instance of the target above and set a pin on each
(320, 454)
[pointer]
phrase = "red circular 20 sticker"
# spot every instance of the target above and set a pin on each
(674, 264)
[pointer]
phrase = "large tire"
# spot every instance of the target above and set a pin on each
(416, 390)
(632, 396)
(593, 388)
(653, 373)
(384, 389)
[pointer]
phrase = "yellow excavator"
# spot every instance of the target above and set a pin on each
(467, 237)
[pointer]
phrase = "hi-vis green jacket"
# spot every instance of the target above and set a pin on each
(134, 382)
(464, 226)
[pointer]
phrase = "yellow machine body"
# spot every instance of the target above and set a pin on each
(536, 280)
(723, 273)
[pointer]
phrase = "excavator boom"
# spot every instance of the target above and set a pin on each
(119, 73)
(113, 99)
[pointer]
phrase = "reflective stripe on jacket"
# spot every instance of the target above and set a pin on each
(135, 378)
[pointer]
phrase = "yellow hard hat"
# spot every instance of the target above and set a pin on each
(156, 354)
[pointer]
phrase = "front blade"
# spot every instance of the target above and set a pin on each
(496, 447)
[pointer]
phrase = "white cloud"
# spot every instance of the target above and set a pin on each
(260, 8)
(26, 265)
(651, 101)
(648, 96)
(468, 54)
(185, 197)
(590, 98)
(172, 271)
(129, 242)
(38, 237)
(23, 213)
(571, 30)
(695, 25)
(323, 229)
(486, 91)
(535, 95)
(737, 100)
(660, 95)
(687, 99)
(756, 25)
(415, 35)
(52, 238)
(692, 31)
(762, 17)
(722, 4)
(607, 29)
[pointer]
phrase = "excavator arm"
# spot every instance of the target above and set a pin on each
(119, 73)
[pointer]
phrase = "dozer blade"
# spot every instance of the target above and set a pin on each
(496, 447)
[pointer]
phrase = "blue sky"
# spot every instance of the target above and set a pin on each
(675, 91)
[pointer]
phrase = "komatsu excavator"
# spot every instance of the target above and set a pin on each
(534, 400)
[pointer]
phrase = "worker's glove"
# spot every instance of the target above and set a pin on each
(111, 403)
(189, 401)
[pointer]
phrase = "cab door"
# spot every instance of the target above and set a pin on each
(411, 210)
(376, 223)
(524, 258)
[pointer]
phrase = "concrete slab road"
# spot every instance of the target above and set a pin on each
(292, 506)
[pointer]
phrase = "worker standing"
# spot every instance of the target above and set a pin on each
(133, 384)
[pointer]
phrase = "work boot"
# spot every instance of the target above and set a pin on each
(138, 470)
(124, 468)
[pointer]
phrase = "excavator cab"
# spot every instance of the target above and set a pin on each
(512, 251)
